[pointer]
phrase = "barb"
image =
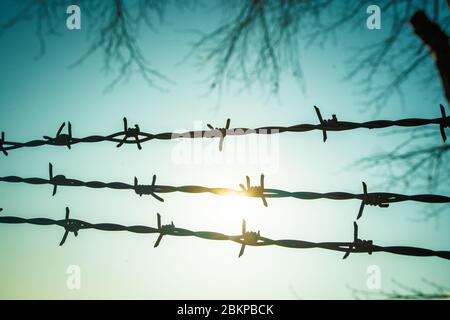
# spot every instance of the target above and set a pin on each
(136, 136)
(219, 132)
(359, 245)
(130, 133)
(71, 225)
(55, 180)
(167, 229)
(371, 200)
(381, 199)
(246, 239)
(2, 141)
(147, 189)
(326, 124)
(61, 139)
(257, 191)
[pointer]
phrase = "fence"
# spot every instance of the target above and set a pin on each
(136, 136)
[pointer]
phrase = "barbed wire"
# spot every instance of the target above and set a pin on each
(246, 238)
(134, 135)
(380, 199)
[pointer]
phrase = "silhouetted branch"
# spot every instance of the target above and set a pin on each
(430, 161)
(418, 158)
(398, 57)
(423, 163)
(47, 14)
(117, 39)
(114, 26)
(405, 292)
(258, 41)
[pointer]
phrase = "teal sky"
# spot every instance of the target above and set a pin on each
(37, 95)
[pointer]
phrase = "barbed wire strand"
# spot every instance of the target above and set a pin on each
(247, 238)
(380, 199)
(134, 135)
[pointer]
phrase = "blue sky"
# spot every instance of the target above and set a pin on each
(38, 95)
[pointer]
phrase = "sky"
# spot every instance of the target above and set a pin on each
(37, 95)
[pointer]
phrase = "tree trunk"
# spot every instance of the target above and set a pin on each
(437, 42)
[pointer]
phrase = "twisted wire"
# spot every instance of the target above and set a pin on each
(245, 239)
(380, 199)
(134, 135)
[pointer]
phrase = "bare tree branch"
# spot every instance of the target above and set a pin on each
(399, 57)
(115, 25)
(420, 161)
(258, 42)
(405, 292)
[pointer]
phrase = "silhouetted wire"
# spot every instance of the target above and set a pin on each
(134, 135)
(245, 239)
(380, 199)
